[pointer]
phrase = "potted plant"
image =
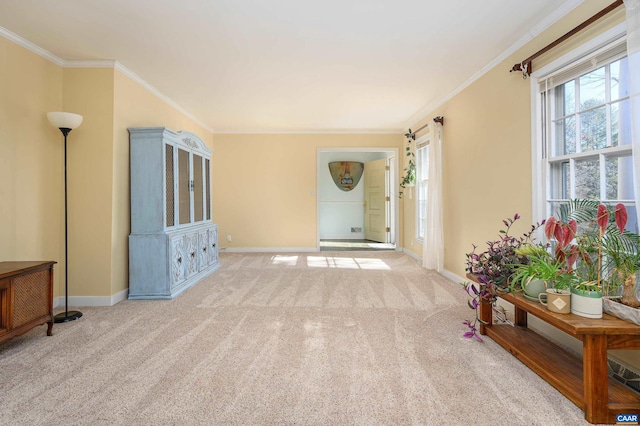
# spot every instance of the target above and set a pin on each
(536, 274)
(409, 178)
(621, 250)
(558, 298)
(622, 253)
(545, 272)
(492, 268)
(584, 232)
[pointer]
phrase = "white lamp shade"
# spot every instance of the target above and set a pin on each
(64, 120)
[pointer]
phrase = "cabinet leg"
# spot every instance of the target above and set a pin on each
(50, 326)
(596, 380)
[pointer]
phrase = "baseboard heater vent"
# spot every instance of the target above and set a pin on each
(624, 374)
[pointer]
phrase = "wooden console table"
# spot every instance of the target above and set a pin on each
(584, 381)
(26, 297)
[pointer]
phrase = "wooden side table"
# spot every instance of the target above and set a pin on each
(584, 381)
(26, 297)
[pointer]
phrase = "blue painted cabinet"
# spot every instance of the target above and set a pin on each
(173, 241)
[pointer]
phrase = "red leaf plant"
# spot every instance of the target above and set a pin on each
(621, 216)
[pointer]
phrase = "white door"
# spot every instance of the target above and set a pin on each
(375, 208)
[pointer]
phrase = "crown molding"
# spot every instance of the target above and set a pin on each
(103, 63)
(311, 132)
(109, 63)
(30, 46)
(135, 77)
(551, 19)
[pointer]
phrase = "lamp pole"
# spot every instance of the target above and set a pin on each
(65, 121)
(66, 315)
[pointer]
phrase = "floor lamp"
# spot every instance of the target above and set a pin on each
(65, 121)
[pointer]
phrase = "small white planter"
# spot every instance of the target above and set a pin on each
(586, 304)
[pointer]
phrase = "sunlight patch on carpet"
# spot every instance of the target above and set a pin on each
(346, 263)
(284, 260)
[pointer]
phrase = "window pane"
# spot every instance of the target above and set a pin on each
(593, 129)
(560, 180)
(568, 97)
(615, 131)
(621, 122)
(619, 79)
(588, 179)
(566, 136)
(612, 178)
(422, 206)
(422, 163)
(566, 181)
(632, 221)
(554, 207)
(592, 89)
(619, 178)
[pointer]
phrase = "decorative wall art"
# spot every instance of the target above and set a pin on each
(346, 174)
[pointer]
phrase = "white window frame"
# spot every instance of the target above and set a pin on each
(421, 142)
(540, 179)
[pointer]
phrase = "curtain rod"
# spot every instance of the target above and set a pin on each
(525, 66)
(438, 119)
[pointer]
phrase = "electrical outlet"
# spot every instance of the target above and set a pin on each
(229, 238)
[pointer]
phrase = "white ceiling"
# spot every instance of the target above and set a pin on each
(290, 65)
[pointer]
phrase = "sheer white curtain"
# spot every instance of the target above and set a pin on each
(433, 248)
(633, 56)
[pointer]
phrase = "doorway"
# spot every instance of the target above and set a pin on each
(348, 245)
(341, 214)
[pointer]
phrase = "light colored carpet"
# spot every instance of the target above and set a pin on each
(331, 338)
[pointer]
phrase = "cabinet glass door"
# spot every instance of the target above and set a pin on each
(169, 185)
(207, 188)
(184, 188)
(198, 193)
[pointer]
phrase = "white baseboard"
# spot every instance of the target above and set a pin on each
(453, 277)
(269, 249)
(77, 301)
(413, 256)
(350, 236)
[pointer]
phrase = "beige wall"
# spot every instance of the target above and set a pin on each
(31, 179)
(89, 92)
(264, 186)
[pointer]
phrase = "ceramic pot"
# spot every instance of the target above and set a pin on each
(586, 303)
(532, 287)
(558, 301)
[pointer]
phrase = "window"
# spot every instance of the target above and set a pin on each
(586, 132)
(422, 181)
